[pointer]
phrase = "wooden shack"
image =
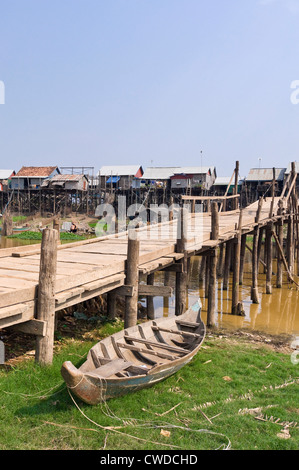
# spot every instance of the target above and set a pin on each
(67, 182)
(32, 177)
(158, 177)
(121, 177)
(5, 179)
(220, 186)
(201, 177)
(259, 181)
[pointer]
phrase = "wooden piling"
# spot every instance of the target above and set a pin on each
(212, 288)
(269, 258)
(181, 277)
(237, 307)
(236, 201)
(280, 240)
(7, 227)
(228, 250)
(202, 268)
(111, 305)
(46, 296)
(132, 278)
(56, 225)
(220, 261)
(290, 244)
(255, 261)
(213, 266)
(150, 309)
(207, 275)
(242, 258)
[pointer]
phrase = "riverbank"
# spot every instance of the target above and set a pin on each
(239, 392)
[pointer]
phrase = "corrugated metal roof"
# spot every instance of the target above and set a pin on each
(265, 174)
(119, 170)
(5, 174)
(159, 173)
(67, 177)
(194, 170)
(35, 171)
(224, 181)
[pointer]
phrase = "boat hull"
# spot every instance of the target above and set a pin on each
(136, 358)
(93, 390)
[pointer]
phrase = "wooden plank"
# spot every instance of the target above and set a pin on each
(7, 252)
(6, 312)
(187, 323)
(18, 317)
(16, 283)
(62, 297)
(157, 344)
(111, 368)
(126, 291)
(176, 268)
(176, 332)
(146, 351)
(102, 282)
(155, 265)
(209, 198)
(13, 296)
(33, 327)
(89, 258)
(153, 291)
(86, 295)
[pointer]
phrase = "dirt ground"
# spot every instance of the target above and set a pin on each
(36, 222)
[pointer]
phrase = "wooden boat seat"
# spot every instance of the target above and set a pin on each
(176, 332)
(157, 344)
(117, 367)
(111, 368)
(189, 324)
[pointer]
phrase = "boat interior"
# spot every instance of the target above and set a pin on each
(140, 349)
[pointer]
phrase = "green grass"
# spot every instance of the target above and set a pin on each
(38, 236)
(17, 218)
(37, 412)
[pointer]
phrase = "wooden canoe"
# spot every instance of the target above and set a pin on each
(137, 357)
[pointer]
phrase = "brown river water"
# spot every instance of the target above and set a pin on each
(13, 242)
(277, 313)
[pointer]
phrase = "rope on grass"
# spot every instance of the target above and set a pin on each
(223, 446)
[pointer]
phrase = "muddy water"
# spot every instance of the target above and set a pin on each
(276, 314)
(13, 242)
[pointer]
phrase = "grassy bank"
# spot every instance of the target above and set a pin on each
(64, 236)
(236, 393)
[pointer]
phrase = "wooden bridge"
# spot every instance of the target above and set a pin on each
(89, 268)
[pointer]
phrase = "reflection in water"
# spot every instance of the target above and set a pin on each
(13, 242)
(276, 313)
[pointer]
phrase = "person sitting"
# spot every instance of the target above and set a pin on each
(73, 228)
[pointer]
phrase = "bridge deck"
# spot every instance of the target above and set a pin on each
(92, 267)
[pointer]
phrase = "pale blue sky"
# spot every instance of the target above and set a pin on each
(94, 82)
